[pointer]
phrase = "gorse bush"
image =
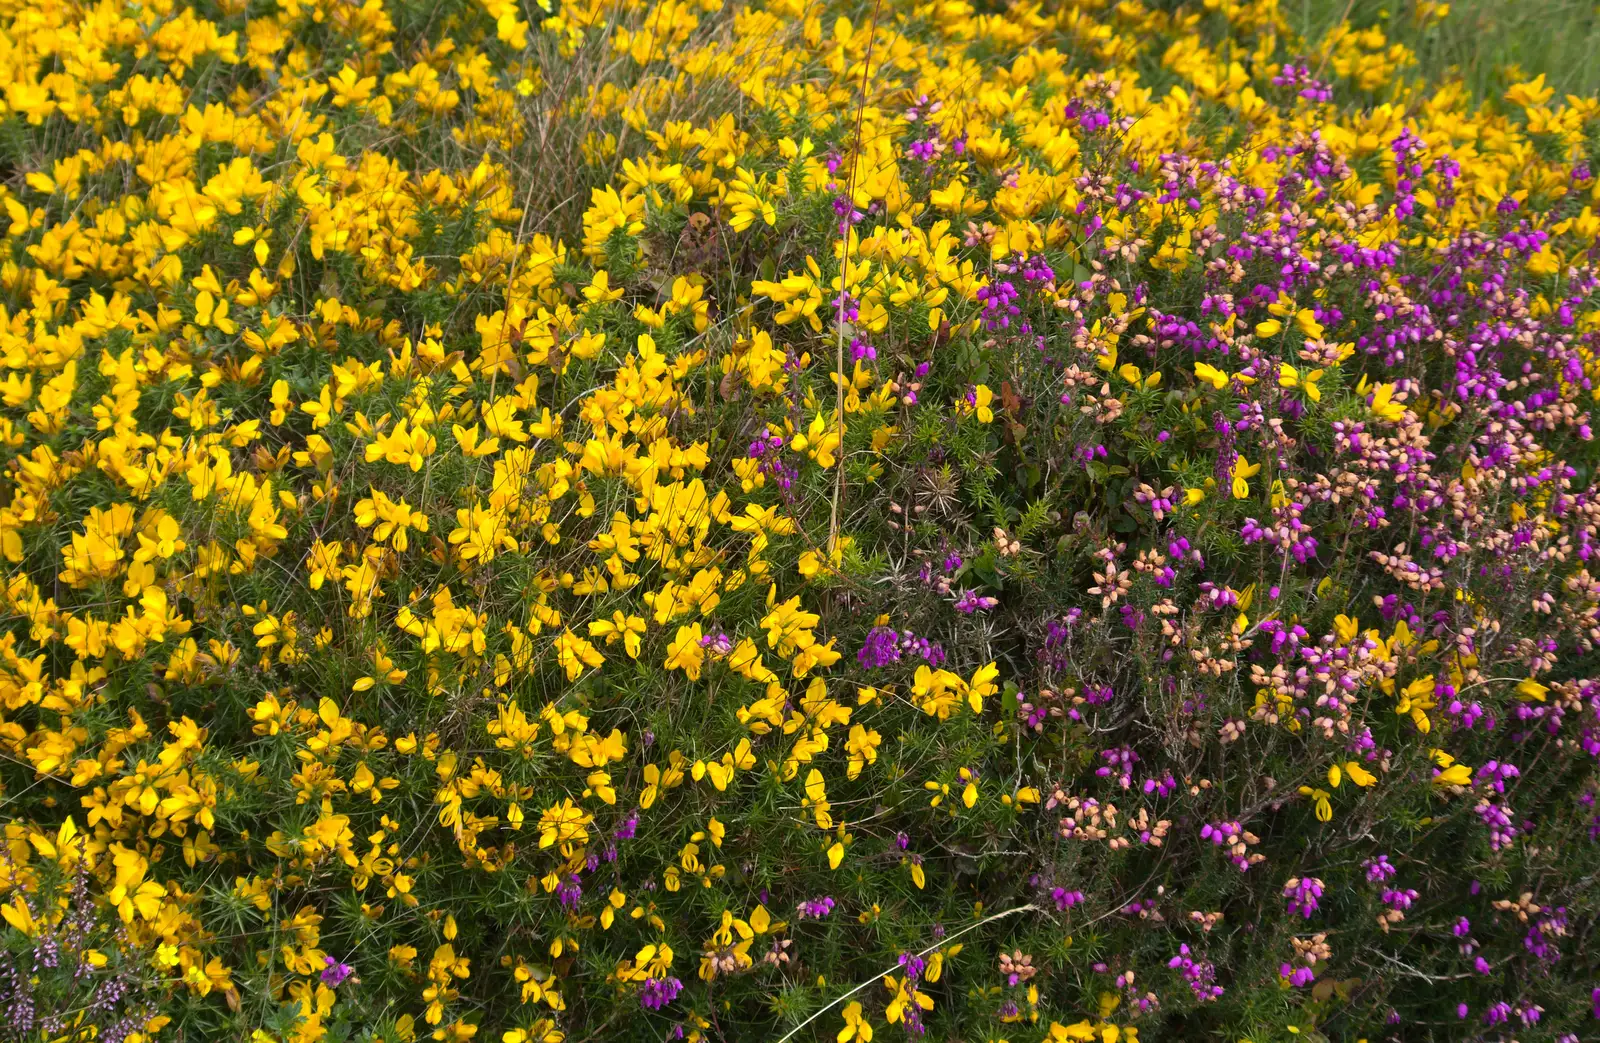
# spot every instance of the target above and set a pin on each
(797, 522)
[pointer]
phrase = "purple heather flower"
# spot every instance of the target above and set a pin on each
(628, 827)
(971, 602)
(1299, 977)
(335, 973)
(656, 993)
(814, 909)
(1065, 899)
(1200, 975)
(718, 643)
(1301, 894)
(1398, 899)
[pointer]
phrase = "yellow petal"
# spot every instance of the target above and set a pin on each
(1531, 691)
